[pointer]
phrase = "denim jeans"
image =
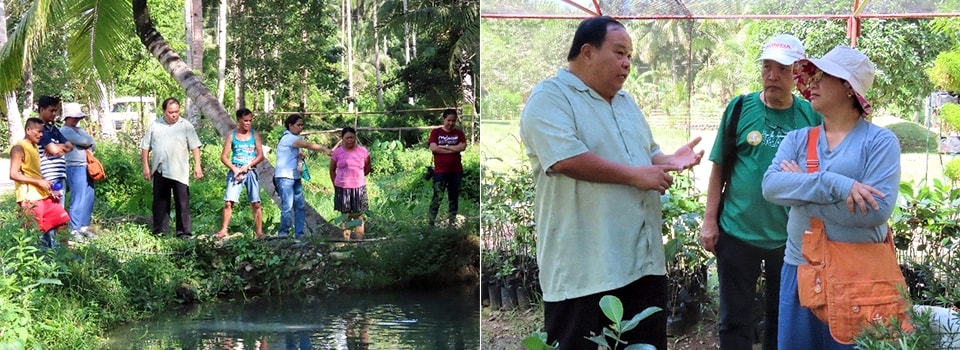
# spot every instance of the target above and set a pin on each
(799, 328)
(292, 206)
(81, 196)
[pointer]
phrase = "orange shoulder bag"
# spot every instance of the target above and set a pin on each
(849, 286)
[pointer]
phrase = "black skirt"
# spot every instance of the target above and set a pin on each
(350, 200)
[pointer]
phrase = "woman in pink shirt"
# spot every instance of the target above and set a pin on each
(349, 167)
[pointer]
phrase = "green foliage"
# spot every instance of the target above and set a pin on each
(952, 170)
(926, 227)
(682, 214)
(923, 336)
(417, 256)
(950, 113)
(945, 73)
(913, 137)
(301, 38)
(508, 226)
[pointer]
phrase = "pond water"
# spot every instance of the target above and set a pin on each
(439, 319)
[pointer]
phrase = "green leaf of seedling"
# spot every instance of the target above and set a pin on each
(599, 340)
(610, 333)
(632, 323)
(612, 308)
(353, 223)
(640, 347)
(672, 247)
(537, 341)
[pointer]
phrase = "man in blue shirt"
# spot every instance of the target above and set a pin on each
(242, 151)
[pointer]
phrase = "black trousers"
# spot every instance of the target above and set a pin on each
(162, 189)
(449, 183)
(739, 266)
(571, 320)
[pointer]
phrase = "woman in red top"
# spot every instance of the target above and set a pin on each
(446, 143)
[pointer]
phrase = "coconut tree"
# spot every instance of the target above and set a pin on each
(15, 122)
(455, 20)
(97, 28)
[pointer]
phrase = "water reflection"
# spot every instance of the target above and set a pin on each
(388, 320)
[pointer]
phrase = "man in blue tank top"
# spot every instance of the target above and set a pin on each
(242, 151)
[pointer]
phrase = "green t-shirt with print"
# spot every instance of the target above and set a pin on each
(746, 214)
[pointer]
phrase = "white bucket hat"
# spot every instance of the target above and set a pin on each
(73, 110)
(784, 48)
(842, 62)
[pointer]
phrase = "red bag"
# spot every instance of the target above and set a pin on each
(47, 212)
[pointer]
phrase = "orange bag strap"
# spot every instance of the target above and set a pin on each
(813, 165)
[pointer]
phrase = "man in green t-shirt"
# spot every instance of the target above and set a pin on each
(744, 231)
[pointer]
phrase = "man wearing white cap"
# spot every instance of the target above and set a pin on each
(746, 233)
(850, 189)
(78, 182)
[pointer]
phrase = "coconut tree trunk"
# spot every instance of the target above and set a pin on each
(467, 86)
(376, 53)
(222, 52)
(208, 104)
(28, 90)
(350, 96)
(14, 120)
(194, 33)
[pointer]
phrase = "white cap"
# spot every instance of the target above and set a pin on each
(784, 48)
(842, 62)
(72, 110)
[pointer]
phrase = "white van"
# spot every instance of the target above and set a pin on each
(128, 112)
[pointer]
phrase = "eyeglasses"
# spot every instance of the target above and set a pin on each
(816, 77)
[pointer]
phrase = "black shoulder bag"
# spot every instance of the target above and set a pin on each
(729, 149)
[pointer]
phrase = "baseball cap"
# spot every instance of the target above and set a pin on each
(784, 48)
(72, 110)
(843, 62)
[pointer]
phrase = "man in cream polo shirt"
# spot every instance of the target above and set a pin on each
(598, 176)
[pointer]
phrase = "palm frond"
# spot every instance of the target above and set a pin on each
(24, 42)
(102, 26)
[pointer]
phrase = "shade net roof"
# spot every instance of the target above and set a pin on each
(713, 9)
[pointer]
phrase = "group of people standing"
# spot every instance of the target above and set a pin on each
(599, 173)
(51, 160)
(170, 138)
(48, 162)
